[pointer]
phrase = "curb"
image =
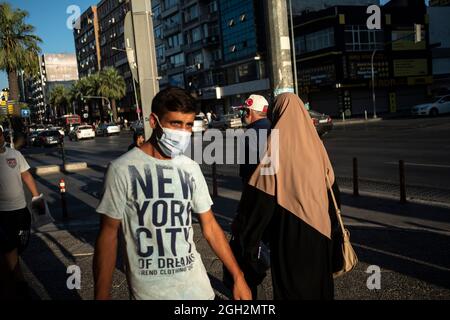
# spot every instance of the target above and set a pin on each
(350, 122)
(51, 169)
(442, 205)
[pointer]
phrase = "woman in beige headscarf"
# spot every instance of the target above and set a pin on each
(289, 207)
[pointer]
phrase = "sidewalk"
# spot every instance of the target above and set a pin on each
(360, 119)
(410, 243)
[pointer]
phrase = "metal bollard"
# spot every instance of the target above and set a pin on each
(355, 178)
(401, 167)
(62, 191)
(214, 177)
(365, 115)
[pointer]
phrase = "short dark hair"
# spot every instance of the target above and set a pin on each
(137, 134)
(173, 99)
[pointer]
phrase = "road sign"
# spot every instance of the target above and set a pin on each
(25, 113)
(85, 115)
(129, 45)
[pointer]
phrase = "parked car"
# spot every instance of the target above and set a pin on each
(82, 132)
(49, 138)
(60, 129)
(322, 122)
(200, 123)
(227, 121)
(137, 125)
(32, 137)
(440, 105)
(107, 129)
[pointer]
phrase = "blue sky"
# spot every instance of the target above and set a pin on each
(50, 18)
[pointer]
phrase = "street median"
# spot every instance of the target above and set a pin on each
(52, 169)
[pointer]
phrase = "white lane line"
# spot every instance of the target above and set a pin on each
(421, 165)
(424, 263)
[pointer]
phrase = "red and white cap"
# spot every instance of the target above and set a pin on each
(257, 103)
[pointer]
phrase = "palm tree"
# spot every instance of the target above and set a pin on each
(60, 98)
(112, 86)
(18, 46)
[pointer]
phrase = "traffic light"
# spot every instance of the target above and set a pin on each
(10, 109)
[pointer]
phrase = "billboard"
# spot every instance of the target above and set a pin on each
(60, 67)
(410, 67)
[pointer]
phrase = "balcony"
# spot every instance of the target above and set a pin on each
(192, 46)
(172, 51)
(169, 11)
(169, 30)
(210, 41)
(194, 68)
(174, 69)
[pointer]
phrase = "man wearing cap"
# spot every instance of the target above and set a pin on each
(255, 117)
(15, 219)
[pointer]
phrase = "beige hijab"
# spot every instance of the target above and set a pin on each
(299, 183)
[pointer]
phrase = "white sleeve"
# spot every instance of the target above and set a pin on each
(22, 163)
(113, 200)
(201, 200)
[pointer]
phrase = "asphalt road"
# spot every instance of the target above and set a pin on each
(423, 143)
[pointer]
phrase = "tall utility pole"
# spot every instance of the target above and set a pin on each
(145, 57)
(279, 46)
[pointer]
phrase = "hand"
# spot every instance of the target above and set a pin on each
(241, 291)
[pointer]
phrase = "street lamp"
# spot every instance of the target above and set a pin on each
(130, 53)
(373, 85)
(293, 48)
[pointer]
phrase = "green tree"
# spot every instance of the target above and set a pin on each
(112, 86)
(19, 46)
(60, 99)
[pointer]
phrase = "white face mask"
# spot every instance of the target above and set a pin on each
(173, 142)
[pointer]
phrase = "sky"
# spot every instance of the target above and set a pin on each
(49, 17)
(50, 20)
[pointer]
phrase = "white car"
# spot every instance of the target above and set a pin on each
(108, 129)
(82, 132)
(441, 105)
(200, 123)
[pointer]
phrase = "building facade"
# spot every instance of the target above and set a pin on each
(440, 43)
(87, 43)
(334, 49)
(54, 70)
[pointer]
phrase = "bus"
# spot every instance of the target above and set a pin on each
(68, 122)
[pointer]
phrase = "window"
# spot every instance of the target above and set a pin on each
(315, 41)
(169, 3)
(156, 11)
(177, 80)
(191, 13)
(359, 38)
(172, 21)
(159, 32)
(177, 60)
(175, 41)
(212, 6)
(195, 34)
(160, 52)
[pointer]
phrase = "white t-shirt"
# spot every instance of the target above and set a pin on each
(12, 196)
(155, 200)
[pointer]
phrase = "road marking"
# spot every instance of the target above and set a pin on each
(421, 165)
(402, 257)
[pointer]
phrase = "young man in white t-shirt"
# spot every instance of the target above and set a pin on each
(15, 219)
(150, 194)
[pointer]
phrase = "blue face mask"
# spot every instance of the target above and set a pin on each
(173, 142)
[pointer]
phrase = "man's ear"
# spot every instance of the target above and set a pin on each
(153, 121)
